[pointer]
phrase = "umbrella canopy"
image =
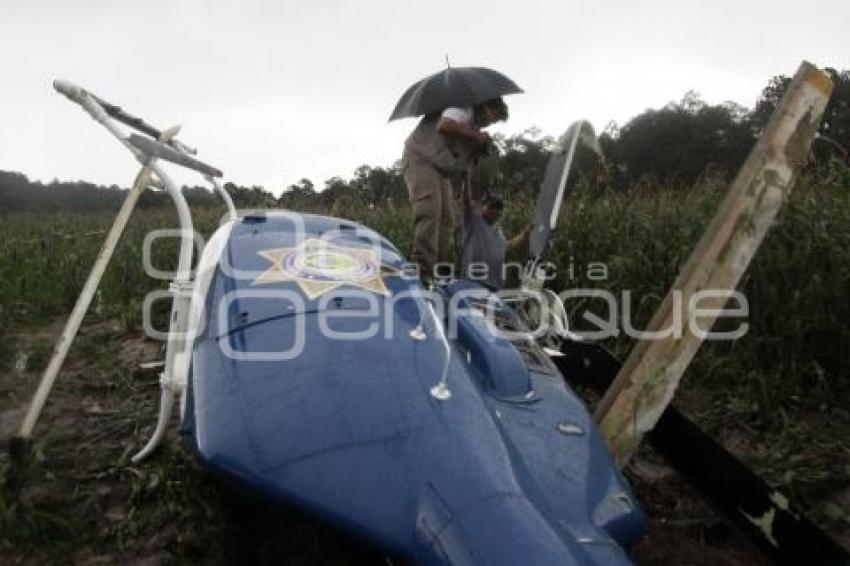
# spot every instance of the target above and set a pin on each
(455, 86)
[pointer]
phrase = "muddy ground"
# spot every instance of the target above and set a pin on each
(79, 499)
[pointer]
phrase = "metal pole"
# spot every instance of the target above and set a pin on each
(82, 305)
(231, 209)
(171, 381)
(559, 196)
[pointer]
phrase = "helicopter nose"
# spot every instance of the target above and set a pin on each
(507, 529)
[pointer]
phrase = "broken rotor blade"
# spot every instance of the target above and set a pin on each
(162, 151)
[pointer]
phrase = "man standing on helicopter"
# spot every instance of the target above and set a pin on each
(437, 156)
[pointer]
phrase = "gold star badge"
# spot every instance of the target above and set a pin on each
(318, 266)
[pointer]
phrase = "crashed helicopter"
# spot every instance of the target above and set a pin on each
(310, 367)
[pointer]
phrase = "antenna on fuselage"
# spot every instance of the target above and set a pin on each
(441, 390)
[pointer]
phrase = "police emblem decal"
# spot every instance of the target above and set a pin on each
(318, 266)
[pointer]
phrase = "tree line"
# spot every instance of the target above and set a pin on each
(673, 146)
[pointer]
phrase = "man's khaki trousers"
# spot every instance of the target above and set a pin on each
(433, 216)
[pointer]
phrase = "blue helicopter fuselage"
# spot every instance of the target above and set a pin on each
(311, 381)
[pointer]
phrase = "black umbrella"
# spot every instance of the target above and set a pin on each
(455, 86)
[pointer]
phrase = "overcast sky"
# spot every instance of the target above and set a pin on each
(271, 92)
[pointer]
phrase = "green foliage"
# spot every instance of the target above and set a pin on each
(254, 197)
(796, 286)
(18, 193)
(370, 186)
(39, 355)
(678, 143)
(45, 259)
(299, 196)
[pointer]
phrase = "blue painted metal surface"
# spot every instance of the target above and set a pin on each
(509, 470)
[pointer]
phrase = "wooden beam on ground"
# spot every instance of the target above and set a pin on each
(648, 379)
